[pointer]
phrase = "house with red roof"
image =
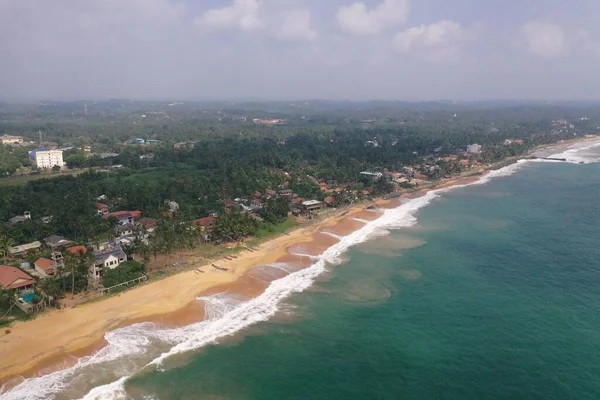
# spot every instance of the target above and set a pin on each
(124, 217)
(330, 201)
(77, 250)
(44, 267)
(206, 223)
(102, 208)
(14, 278)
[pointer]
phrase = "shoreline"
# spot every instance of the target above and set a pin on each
(172, 301)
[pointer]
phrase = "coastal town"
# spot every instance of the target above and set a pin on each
(100, 232)
(32, 271)
(128, 246)
(299, 199)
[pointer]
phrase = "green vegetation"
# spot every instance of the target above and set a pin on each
(318, 152)
(125, 272)
(269, 230)
(23, 179)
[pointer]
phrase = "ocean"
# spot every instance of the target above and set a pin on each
(486, 291)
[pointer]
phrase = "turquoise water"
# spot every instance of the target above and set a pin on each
(28, 297)
(494, 294)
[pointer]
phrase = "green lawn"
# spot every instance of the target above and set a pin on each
(21, 180)
(273, 230)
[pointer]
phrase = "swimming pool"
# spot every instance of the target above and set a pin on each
(28, 297)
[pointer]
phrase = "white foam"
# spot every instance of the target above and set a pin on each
(578, 153)
(112, 391)
(311, 256)
(364, 221)
(225, 316)
(285, 267)
(334, 235)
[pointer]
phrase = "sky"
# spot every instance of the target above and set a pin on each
(299, 49)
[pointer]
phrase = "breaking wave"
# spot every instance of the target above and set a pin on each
(580, 153)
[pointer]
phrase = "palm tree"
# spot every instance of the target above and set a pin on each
(71, 266)
(10, 295)
(5, 243)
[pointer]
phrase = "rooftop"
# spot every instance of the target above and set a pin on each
(24, 247)
(311, 202)
(45, 264)
(77, 250)
(116, 251)
(14, 278)
(55, 240)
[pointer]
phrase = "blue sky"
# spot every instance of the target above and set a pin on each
(292, 49)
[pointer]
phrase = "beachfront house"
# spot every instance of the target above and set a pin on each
(13, 278)
(108, 256)
(206, 225)
(312, 205)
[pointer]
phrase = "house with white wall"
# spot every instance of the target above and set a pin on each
(109, 256)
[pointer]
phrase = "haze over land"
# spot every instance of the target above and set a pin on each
(268, 49)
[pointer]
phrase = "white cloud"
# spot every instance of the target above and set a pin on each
(359, 20)
(442, 38)
(545, 39)
(297, 25)
(242, 14)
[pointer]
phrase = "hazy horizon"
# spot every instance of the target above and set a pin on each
(268, 50)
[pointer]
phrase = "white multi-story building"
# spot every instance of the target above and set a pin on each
(48, 158)
(474, 148)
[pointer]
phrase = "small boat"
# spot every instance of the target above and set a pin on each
(219, 268)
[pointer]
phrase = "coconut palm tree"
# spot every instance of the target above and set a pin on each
(5, 243)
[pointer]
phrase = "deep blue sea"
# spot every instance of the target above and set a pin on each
(492, 292)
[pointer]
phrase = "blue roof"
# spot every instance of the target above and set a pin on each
(103, 255)
(32, 152)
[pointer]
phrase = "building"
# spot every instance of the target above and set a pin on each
(24, 248)
(312, 205)
(13, 278)
(173, 205)
(206, 223)
(330, 201)
(9, 139)
(474, 148)
(124, 217)
(46, 159)
(125, 231)
(77, 250)
(375, 175)
(44, 266)
(286, 193)
(20, 218)
(57, 241)
(109, 257)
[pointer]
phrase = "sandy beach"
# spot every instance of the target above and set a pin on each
(79, 331)
(55, 339)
